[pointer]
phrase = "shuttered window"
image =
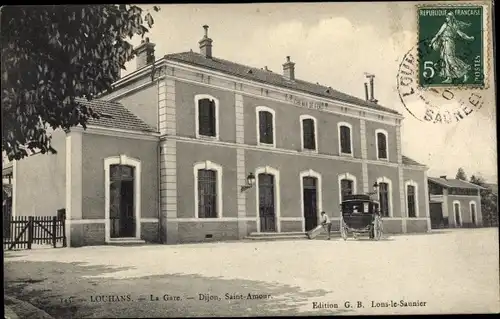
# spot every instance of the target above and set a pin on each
(382, 145)
(207, 117)
(309, 135)
(266, 127)
(345, 140)
(411, 201)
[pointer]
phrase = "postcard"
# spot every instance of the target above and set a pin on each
(257, 159)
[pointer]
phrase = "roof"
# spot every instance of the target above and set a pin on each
(454, 183)
(115, 115)
(357, 197)
(269, 77)
(409, 161)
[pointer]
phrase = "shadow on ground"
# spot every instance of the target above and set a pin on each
(63, 291)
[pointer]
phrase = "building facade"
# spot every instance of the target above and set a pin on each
(454, 203)
(194, 148)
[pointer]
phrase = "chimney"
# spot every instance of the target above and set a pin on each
(206, 44)
(442, 176)
(366, 91)
(289, 69)
(145, 53)
(372, 94)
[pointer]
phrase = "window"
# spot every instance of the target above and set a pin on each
(207, 109)
(458, 213)
(207, 193)
(411, 201)
(473, 216)
(463, 191)
(385, 196)
(381, 142)
(435, 189)
(347, 185)
(265, 126)
(384, 199)
(309, 133)
(345, 138)
(208, 190)
(411, 198)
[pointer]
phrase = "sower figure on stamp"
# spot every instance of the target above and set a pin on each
(444, 41)
(327, 224)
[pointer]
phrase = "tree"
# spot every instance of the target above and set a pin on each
(489, 202)
(52, 55)
(461, 174)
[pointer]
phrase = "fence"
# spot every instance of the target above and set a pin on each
(21, 232)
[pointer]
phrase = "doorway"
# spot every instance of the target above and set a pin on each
(437, 219)
(267, 211)
(122, 212)
(310, 201)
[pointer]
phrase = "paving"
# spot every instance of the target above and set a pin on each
(443, 272)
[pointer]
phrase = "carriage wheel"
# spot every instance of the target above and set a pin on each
(343, 229)
(377, 228)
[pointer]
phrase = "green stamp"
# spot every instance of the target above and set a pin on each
(451, 46)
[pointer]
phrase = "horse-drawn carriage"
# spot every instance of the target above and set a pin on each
(360, 215)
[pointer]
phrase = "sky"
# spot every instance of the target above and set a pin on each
(335, 44)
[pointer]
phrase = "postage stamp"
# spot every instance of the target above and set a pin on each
(442, 79)
(451, 45)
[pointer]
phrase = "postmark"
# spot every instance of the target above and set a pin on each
(452, 46)
(439, 105)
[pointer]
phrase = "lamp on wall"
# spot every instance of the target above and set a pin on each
(250, 182)
(375, 189)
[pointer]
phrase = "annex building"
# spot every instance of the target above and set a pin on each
(454, 203)
(192, 148)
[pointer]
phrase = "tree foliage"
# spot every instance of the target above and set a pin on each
(52, 55)
(489, 202)
(461, 174)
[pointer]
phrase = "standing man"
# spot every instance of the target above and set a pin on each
(325, 221)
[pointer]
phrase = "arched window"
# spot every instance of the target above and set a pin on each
(473, 212)
(457, 213)
(266, 133)
(412, 198)
(345, 138)
(308, 132)
(381, 140)
(385, 196)
(347, 185)
(207, 116)
(208, 190)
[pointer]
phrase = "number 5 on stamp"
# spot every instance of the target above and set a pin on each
(451, 46)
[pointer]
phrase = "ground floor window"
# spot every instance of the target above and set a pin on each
(207, 190)
(346, 186)
(473, 213)
(207, 193)
(384, 199)
(458, 219)
(410, 189)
